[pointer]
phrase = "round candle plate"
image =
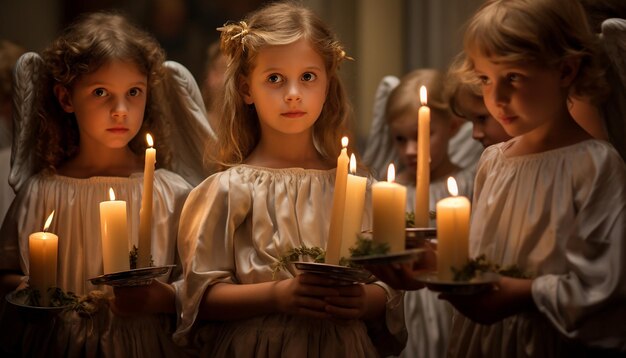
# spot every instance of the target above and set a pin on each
(14, 299)
(137, 277)
(342, 273)
(478, 284)
(411, 255)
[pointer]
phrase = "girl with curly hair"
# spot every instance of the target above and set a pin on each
(99, 90)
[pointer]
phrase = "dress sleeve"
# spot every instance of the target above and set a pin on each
(212, 213)
(587, 301)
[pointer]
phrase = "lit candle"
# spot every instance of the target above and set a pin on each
(423, 163)
(114, 235)
(389, 201)
(353, 211)
(333, 246)
(453, 214)
(145, 213)
(42, 248)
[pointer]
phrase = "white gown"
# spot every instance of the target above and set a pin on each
(77, 224)
(429, 319)
(559, 215)
(233, 227)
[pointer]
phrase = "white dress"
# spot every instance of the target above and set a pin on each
(429, 319)
(77, 224)
(560, 216)
(233, 227)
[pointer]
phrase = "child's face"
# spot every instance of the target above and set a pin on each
(288, 88)
(522, 97)
(404, 134)
(485, 128)
(108, 103)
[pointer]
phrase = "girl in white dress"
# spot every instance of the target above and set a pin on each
(99, 96)
(551, 201)
(284, 112)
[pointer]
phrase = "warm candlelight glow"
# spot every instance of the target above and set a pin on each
(48, 222)
(352, 164)
(149, 140)
(344, 142)
(423, 95)
(452, 187)
(111, 194)
(391, 173)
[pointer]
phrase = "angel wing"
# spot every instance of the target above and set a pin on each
(379, 151)
(28, 69)
(613, 39)
(190, 128)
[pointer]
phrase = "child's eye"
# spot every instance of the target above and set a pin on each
(513, 77)
(480, 118)
(275, 78)
(400, 139)
(484, 80)
(308, 76)
(100, 92)
(133, 92)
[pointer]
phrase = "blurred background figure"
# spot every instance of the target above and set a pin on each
(9, 53)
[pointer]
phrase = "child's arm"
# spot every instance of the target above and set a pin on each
(510, 296)
(157, 297)
(365, 302)
(9, 281)
(302, 295)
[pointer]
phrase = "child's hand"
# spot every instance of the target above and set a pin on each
(398, 276)
(509, 296)
(304, 295)
(349, 304)
(153, 298)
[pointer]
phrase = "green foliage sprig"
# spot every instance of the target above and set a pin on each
(365, 246)
(316, 253)
(479, 265)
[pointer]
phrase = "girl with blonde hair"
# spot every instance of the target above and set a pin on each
(283, 113)
(551, 201)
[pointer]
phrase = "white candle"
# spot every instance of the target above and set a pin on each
(114, 235)
(389, 201)
(333, 246)
(453, 214)
(423, 163)
(145, 213)
(43, 248)
(353, 211)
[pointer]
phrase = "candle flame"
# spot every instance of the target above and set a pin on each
(391, 173)
(48, 221)
(423, 95)
(352, 164)
(344, 142)
(111, 194)
(452, 187)
(149, 140)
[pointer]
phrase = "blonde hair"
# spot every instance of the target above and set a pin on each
(277, 24)
(82, 48)
(545, 32)
(405, 97)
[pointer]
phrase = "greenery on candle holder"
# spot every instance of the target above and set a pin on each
(316, 253)
(479, 265)
(133, 254)
(409, 218)
(32, 297)
(365, 246)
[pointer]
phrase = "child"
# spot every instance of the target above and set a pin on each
(466, 102)
(100, 94)
(284, 110)
(428, 319)
(551, 201)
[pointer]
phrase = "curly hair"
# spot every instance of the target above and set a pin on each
(539, 31)
(82, 48)
(276, 24)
